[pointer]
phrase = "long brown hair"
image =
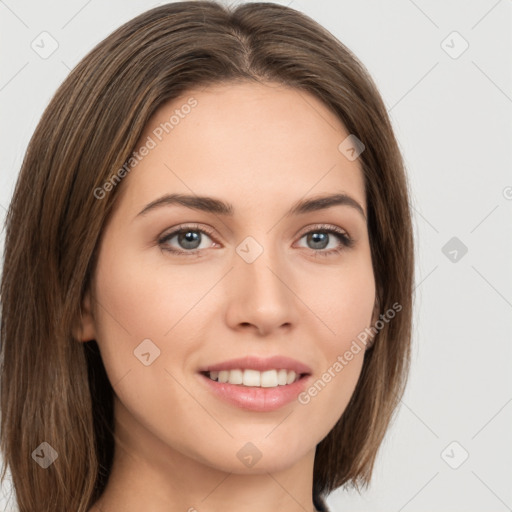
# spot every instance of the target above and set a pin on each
(55, 389)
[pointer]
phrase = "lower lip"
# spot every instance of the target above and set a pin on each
(256, 398)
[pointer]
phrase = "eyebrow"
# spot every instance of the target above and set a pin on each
(219, 207)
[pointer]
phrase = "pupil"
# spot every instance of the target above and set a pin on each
(319, 238)
(189, 238)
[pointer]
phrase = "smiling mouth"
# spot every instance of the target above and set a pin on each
(255, 378)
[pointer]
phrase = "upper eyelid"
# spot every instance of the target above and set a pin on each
(323, 227)
(183, 227)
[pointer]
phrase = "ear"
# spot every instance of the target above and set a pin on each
(86, 330)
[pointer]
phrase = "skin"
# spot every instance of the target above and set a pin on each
(260, 148)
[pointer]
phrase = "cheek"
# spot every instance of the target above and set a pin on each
(346, 308)
(127, 312)
(140, 299)
(344, 303)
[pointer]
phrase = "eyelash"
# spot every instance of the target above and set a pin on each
(345, 241)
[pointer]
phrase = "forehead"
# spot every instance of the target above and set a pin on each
(254, 144)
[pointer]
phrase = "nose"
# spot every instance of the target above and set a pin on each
(261, 297)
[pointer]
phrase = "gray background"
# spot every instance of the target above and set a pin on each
(452, 116)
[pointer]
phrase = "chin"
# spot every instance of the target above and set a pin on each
(258, 456)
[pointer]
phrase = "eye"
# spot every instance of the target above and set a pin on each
(188, 238)
(322, 236)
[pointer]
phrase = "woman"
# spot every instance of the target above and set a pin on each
(207, 287)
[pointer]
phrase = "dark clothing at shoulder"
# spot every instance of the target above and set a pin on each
(319, 503)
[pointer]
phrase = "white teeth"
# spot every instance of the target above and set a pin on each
(236, 377)
(254, 378)
(269, 379)
(290, 377)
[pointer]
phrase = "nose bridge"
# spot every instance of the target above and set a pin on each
(260, 268)
(262, 294)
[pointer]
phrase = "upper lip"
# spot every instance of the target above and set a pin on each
(260, 363)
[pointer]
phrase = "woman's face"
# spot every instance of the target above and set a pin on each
(255, 279)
